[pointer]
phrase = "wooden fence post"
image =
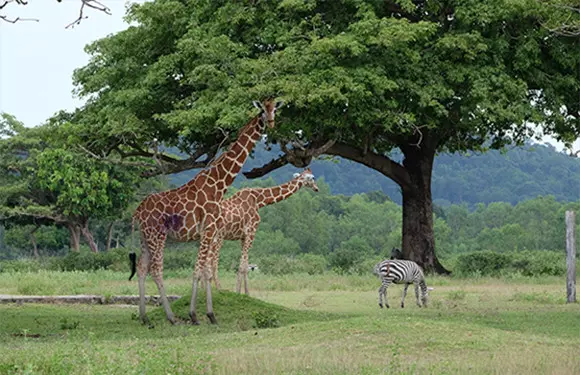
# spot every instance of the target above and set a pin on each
(571, 256)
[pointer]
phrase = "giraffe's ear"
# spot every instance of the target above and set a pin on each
(278, 104)
(295, 175)
(257, 104)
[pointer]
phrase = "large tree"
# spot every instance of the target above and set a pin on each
(361, 78)
(46, 182)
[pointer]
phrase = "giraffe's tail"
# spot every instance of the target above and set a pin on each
(132, 255)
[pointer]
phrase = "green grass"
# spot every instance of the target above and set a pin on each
(475, 326)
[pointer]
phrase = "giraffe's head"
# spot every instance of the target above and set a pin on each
(267, 110)
(307, 179)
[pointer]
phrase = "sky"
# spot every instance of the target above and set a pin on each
(37, 59)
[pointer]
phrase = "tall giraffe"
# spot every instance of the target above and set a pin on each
(192, 212)
(241, 219)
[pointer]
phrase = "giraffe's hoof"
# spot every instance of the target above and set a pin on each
(381, 305)
(402, 305)
(212, 318)
(194, 320)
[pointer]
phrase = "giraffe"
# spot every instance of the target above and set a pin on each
(192, 212)
(241, 219)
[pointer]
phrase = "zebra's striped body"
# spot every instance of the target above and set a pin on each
(401, 272)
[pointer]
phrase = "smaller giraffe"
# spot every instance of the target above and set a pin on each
(241, 219)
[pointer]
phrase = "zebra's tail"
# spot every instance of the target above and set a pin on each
(132, 255)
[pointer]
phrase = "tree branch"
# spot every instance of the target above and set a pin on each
(91, 4)
(267, 168)
(300, 158)
(379, 163)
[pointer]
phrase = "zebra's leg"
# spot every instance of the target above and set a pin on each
(417, 294)
(404, 294)
(424, 294)
(383, 292)
(381, 295)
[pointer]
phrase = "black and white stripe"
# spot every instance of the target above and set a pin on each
(401, 272)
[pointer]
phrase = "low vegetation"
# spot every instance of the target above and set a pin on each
(297, 324)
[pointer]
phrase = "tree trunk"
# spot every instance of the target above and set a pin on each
(418, 235)
(75, 237)
(110, 235)
(117, 242)
(34, 243)
(89, 237)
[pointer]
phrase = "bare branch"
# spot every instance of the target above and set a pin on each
(91, 4)
(6, 19)
(94, 4)
(417, 129)
(19, 2)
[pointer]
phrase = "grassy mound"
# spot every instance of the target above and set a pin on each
(240, 312)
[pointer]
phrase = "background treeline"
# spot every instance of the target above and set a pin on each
(314, 232)
(514, 175)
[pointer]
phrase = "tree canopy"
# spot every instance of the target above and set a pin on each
(45, 182)
(361, 79)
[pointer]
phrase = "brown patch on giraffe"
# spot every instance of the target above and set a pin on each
(173, 222)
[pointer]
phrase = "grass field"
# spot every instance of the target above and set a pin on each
(326, 324)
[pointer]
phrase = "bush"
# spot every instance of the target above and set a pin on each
(527, 263)
(311, 264)
(85, 260)
(485, 263)
(538, 263)
(350, 254)
(21, 265)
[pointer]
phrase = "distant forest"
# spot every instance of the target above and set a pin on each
(515, 175)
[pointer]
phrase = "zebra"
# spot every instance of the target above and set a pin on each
(398, 272)
(396, 253)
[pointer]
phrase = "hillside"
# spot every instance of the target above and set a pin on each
(516, 175)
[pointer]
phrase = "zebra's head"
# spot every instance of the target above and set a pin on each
(396, 253)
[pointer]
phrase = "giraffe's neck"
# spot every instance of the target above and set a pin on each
(268, 196)
(221, 172)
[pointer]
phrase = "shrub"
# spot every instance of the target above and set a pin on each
(21, 265)
(527, 263)
(350, 254)
(485, 263)
(265, 320)
(312, 264)
(86, 260)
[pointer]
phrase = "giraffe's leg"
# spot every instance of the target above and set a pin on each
(156, 269)
(196, 278)
(217, 245)
(244, 263)
(404, 294)
(142, 270)
(239, 274)
(203, 271)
